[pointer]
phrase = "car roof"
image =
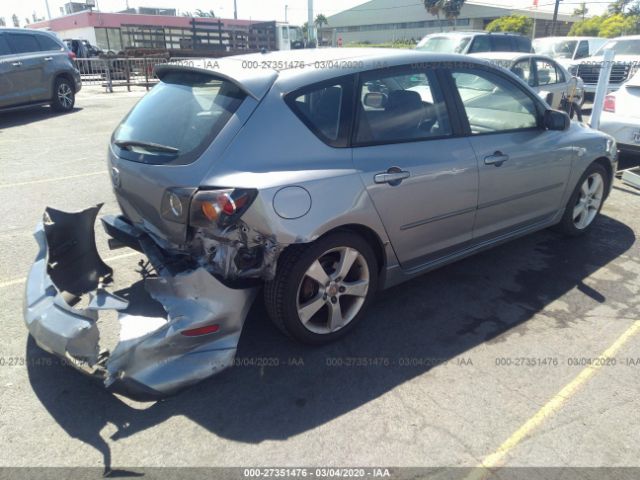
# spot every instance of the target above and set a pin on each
(571, 38)
(255, 72)
(471, 32)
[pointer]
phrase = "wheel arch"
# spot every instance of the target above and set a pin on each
(606, 164)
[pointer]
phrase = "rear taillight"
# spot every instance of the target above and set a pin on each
(609, 104)
(196, 332)
(71, 55)
(219, 207)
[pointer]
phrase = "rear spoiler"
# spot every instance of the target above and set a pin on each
(255, 82)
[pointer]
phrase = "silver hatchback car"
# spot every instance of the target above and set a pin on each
(322, 178)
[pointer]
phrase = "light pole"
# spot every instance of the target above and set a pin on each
(46, 2)
(555, 18)
(310, 32)
(286, 7)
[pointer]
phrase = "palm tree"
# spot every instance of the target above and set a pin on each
(209, 14)
(320, 21)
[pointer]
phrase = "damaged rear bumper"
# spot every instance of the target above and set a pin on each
(155, 355)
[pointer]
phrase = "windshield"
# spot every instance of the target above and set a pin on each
(444, 44)
(555, 48)
(178, 119)
(622, 47)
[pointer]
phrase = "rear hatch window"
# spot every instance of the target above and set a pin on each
(177, 120)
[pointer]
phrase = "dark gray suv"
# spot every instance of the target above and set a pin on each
(36, 68)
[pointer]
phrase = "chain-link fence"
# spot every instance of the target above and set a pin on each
(111, 73)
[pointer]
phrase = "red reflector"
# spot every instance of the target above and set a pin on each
(194, 332)
(609, 104)
(227, 204)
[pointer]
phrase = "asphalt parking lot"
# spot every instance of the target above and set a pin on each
(493, 359)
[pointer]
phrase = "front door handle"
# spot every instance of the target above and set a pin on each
(17, 64)
(48, 59)
(497, 159)
(393, 176)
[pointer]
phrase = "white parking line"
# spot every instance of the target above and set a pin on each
(55, 179)
(18, 281)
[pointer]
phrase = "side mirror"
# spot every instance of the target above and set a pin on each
(375, 100)
(556, 120)
(546, 96)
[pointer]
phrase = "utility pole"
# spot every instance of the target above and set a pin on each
(235, 9)
(555, 18)
(310, 32)
(286, 7)
(46, 2)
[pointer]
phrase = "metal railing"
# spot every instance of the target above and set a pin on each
(126, 72)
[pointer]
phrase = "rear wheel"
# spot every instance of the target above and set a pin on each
(586, 201)
(64, 96)
(321, 290)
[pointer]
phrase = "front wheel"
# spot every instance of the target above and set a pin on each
(321, 290)
(585, 202)
(64, 96)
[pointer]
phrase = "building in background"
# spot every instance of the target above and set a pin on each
(383, 21)
(117, 32)
(74, 7)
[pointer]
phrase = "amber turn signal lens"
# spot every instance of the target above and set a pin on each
(209, 211)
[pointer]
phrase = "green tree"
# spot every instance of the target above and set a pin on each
(589, 27)
(512, 23)
(449, 8)
(617, 25)
(320, 21)
(581, 11)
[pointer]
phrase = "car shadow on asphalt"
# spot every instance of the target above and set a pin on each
(280, 388)
(27, 115)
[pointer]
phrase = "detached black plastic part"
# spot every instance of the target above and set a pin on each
(74, 263)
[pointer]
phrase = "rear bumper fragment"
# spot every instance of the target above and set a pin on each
(66, 291)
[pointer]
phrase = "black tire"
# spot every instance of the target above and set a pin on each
(64, 95)
(567, 225)
(282, 293)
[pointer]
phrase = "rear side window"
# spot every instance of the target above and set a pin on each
(23, 43)
(404, 106)
(4, 46)
(522, 44)
(323, 108)
(178, 119)
(501, 43)
(48, 44)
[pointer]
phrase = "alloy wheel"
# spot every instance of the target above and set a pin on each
(333, 290)
(65, 95)
(589, 201)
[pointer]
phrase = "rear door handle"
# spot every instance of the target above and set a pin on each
(497, 159)
(393, 176)
(17, 64)
(48, 59)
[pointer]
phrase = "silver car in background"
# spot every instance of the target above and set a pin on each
(322, 178)
(36, 68)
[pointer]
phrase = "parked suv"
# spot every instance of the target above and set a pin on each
(474, 42)
(626, 63)
(36, 68)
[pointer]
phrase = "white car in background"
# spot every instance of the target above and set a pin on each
(621, 115)
(546, 76)
(567, 49)
(625, 63)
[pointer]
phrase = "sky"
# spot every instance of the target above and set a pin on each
(255, 9)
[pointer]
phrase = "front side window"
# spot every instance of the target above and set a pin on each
(178, 119)
(583, 50)
(23, 43)
(402, 106)
(493, 103)
(547, 73)
(481, 43)
(4, 46)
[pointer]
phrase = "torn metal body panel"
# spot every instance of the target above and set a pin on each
(155, 355)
